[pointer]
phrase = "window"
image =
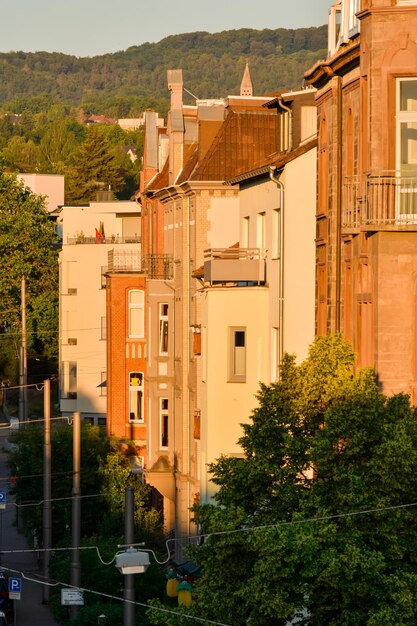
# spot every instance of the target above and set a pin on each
(354, 7)
(136, 314)
(103, 278)
(406, 147)
(163, 329)
(69, 380)
(261, 231)
(136, 413)
(276, 234)
(103, 328)
(335, 20)
(245, 233)
(103, 384)
(237, 365)
(163, 420)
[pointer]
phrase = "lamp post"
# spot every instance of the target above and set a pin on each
(102, 620)
(129, 580)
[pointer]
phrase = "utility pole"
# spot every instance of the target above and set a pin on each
(129, 579)
(75, 574)
(23, 411)
(47, 458)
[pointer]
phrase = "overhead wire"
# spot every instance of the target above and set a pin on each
(118, 598)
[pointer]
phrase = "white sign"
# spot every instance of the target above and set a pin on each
(72, 597)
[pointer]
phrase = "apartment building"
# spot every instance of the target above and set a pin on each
(207, 143)
(89, 234)
(258, 297)
(366, 252)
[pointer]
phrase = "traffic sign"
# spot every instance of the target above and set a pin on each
(15, 588)
(72, 597)
(3, 498)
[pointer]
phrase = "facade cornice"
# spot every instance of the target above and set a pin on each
(341, 63)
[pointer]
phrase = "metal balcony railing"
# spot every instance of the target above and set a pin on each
(380, 200)
(154, 266)
(112, 239)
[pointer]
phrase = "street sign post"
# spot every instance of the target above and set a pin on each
(15, 588)
(3, 498)
(72, 597)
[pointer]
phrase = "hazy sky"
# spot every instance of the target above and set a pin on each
(90, 27)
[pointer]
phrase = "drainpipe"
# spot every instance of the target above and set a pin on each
(338, 203)
(280, 185)
(290, 123)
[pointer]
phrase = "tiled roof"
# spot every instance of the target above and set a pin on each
(277, 159)
(245, 138)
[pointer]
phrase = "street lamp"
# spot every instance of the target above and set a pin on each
(102, 620)
(132, 561)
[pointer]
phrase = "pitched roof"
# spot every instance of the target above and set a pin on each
(277, 159)
(244, 138)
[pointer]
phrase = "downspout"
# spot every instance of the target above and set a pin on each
(280, 185)
(290, 123)
(338, 203)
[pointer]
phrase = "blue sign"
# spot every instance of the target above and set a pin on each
(2, 497)
(15, 585)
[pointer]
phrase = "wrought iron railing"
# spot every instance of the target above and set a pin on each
(380, 199)
(154, 266)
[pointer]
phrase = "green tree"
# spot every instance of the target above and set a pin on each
(20, 155)
(95, 169)
(322, 447)
(27, 235)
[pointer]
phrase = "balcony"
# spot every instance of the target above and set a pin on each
(154, 266)
(80, 239)
(234, 265)
(382, 201)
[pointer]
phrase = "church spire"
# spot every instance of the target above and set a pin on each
(246, 88)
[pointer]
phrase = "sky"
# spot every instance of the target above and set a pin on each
(92, 27)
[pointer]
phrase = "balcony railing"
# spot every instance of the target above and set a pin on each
(154, 266)
(238, 265)
(380, 200)
(112, 239)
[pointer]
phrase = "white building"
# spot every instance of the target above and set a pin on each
(89, 233)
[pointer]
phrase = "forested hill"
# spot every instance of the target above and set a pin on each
(122, 83)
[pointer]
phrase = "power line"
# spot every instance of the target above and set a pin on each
(111, 597)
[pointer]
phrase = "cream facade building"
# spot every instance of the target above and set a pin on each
(89, 233)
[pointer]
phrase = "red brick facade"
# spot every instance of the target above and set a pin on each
(126, 356)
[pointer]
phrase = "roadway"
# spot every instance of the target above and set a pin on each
(29, 609)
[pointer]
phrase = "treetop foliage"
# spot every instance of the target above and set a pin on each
(125, 83)
(322, 509)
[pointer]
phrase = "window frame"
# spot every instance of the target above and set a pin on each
(139, 388)
(163, 335)
(235, 357)
(136, 306)
(163, 423)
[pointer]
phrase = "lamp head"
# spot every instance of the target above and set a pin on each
(132, 562)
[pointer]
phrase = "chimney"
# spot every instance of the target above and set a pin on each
(175, 125)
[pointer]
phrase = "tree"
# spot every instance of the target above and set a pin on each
(322, 447)
(27, 235)
(95, 169)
